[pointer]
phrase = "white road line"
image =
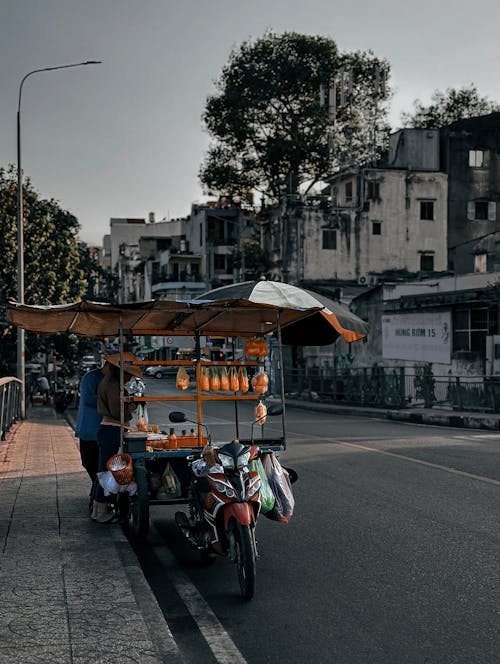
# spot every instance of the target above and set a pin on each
(218, 640)
(436, 466)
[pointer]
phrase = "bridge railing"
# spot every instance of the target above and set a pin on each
(10, 403)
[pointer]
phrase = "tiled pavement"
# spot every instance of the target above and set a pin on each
(71, 590)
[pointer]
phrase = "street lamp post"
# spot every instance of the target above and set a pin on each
(20, 228)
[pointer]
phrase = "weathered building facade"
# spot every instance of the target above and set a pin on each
(470, 154)
(386, 219)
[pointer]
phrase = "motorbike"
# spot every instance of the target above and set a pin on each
(225, 504)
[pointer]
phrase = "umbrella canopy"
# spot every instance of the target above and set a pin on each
(91, 319)
(331, 321)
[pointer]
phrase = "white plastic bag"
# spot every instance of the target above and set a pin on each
(281, 486)
(111, 486)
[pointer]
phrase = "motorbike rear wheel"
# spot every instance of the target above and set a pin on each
(244, 540)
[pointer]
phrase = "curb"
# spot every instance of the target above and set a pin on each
(452, 419)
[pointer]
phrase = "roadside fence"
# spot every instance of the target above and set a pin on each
(394, 387)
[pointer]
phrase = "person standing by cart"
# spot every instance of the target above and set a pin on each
(88, 421)
(108, 434)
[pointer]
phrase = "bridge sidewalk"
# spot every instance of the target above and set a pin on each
(71, 590)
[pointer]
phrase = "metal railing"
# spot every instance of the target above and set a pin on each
(10, 403)
(394, 387)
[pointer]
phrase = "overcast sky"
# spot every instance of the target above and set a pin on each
(125, 137)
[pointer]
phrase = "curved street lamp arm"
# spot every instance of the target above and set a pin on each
(36, 71)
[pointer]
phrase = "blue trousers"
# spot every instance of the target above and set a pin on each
(108, 439)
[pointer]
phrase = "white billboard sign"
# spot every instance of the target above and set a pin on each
(418, 337)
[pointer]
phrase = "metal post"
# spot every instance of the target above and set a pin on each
(20, 263)
(20, 233)
(282, 378)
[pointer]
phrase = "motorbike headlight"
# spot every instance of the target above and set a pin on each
(243, 459)
(226, 461)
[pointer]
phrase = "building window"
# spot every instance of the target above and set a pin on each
(476, 158)
(201, 235)
(373, 191)
(329, 238)
(376, 228)
(471, 326)
(427, 210)
(348, 192)
(426, 262)
(220, 262)
(481, 211)
(481, 263)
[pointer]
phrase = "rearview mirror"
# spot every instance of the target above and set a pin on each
(275, 409)
(177, 417)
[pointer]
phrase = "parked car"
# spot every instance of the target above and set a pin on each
(160, 372)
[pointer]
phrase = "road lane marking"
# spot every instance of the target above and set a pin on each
(436, 466)
(220, 643)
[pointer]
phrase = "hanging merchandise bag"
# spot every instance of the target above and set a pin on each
(243, 379)
(224, 379)
(260, 381)
(266, 495)
(205, 379)
(261, 347)
(170, 484)
(182, 379)
(234, 382)
(214, 380)
(142, 418)
(281, 486)
(260, 413)
(251, 348)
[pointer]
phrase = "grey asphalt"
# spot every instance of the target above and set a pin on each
(72, 591)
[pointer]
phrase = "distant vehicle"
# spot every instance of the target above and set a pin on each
(160, 372)
(33, 367)
(88, 362)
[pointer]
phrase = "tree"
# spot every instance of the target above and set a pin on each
(269, 132)
(250, 260)
(53, 270)
(447, 107)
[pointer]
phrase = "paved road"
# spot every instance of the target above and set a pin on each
(392, 555)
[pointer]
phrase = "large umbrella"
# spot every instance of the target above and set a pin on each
(334, 320)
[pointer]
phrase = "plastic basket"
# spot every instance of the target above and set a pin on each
(122, 475)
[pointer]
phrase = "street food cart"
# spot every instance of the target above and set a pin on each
(232, 319)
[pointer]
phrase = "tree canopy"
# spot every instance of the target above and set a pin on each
(270, 133)
(447, 107)
(56, 268)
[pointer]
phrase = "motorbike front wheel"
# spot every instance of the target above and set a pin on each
(244, 540)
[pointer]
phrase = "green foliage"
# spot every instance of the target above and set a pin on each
(98, 279)
(250, 259)
(54, 272)
(447, 107)
(269, 131)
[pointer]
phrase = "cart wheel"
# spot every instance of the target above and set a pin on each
(139, 504)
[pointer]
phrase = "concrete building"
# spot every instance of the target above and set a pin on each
(381, 220)
(451, 322)
(214, 233)
(470, 154)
